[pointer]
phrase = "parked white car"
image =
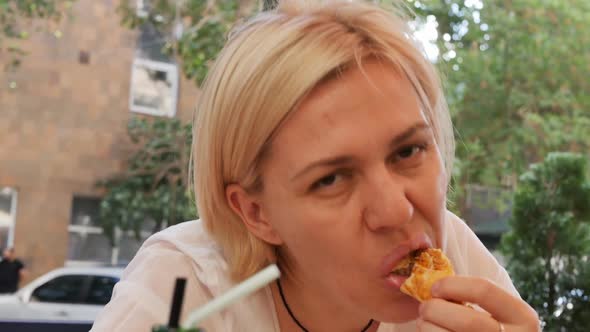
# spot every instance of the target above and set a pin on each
(64, 294)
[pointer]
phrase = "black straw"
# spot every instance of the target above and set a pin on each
(177, 299)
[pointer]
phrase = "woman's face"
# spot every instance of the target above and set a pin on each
(354, 180)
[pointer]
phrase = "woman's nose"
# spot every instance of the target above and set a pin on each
(386, 202)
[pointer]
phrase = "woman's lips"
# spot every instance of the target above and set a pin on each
(395, 280)
(420, 241)
(391, 260)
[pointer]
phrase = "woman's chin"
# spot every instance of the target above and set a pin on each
(404, 310)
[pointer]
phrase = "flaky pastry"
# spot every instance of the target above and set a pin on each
(424, 267)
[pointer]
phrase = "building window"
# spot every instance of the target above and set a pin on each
(8, 200)
(87, 243)
(487, 213)
(154, 75)
(154, 87)
(142, 8)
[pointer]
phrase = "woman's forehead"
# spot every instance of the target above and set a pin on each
(375, 74)
(359, 92)
(371, 104)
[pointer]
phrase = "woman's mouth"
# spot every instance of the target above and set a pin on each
(396, 281)
(403, 269)
(406, 265)
(397, 266)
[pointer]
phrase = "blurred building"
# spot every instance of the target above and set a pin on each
(63, 127)
(487, 213)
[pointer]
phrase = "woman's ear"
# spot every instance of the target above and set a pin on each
(248, 207)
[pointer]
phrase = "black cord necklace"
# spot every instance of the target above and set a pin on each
(295, 319)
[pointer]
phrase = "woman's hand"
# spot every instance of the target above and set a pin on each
(444, 313)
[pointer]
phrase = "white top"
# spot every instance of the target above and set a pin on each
(142, 298)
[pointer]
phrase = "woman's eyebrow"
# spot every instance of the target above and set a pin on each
(411, 131)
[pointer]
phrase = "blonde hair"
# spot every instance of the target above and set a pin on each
(267, 66)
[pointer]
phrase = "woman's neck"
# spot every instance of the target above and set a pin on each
(314, 310)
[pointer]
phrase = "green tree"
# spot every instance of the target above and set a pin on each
(207, 24)
(154, 185)
(516, 79)
(548, 247)
(16, 17)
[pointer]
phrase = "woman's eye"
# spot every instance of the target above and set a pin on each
(326, 181)
(408, 152)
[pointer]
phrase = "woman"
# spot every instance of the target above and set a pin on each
(322, 142)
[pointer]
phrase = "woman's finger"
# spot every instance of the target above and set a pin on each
(456, 317)
(504, 306)
(424, 326)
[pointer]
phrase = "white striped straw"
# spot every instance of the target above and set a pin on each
(247, 287)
